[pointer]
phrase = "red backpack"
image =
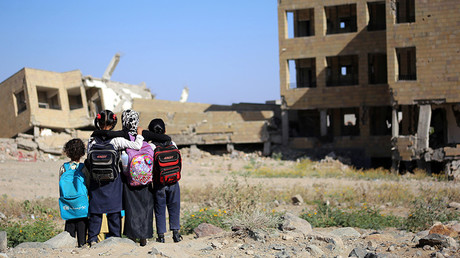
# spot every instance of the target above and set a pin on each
(168, 164)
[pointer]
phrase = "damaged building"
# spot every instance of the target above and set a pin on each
(34, 99)
(379, 79)
(52, 107)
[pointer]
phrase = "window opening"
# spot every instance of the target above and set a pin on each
(342, 70)
(405, 11)
(75, 101)
(350, 122)
(302, 73)
(20, 101)
(406, 64)
(377, 68)
(380, 120)
(48, 98)
(341, 19)
(377, 17)
(301, 23)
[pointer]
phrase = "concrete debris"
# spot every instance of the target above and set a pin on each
(205, 229)
(62, 240)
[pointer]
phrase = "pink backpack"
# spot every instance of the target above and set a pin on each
(140, 164)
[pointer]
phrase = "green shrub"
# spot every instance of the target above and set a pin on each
(191, 220)
(37, 231)
(425, 212)
(364, 217)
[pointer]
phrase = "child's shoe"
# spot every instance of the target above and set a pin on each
(176, 236)
(161, 238)
(143, 242)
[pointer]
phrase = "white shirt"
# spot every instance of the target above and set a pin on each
(120, 143)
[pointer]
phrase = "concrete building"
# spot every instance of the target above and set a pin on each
(367, 76)
(32, 99)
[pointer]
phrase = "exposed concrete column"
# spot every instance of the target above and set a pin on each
(323, 121)
(394, 123)
(285, 127)
(423, 128)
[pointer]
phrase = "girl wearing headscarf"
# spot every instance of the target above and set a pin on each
(137, 200)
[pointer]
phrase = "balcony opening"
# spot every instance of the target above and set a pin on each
(302, 73)
(380, 120)
(304, 123)
(405, 11)
(341, 18)
(350, 121)
(301, 23)
(48, 98)
(342, 70)
(75, 101)
(377, 68)
(407, 70)
(21, 104)
(377, 20)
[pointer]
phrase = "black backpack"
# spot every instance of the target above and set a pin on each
(103, 161)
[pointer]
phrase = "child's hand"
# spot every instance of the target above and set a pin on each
(139, 130)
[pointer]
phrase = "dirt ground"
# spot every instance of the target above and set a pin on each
(31, 180)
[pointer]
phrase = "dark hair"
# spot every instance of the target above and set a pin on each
(157, 125)
(74, 149)
(105, 118)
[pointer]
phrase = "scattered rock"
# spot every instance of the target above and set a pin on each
(438, 240)
(334, 243)
(442, 230)
(216, 245)
(358, 252)
(258, 235)
(32, 245)
(314, 250)
(3, 242)
(26, 144)
(297, 199)
(294, 223)
(346, 232)
(205, 229)
(114, 241)
(62, 240)
(455, 205)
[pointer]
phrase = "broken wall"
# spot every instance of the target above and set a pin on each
(194, 123)
(436, 39)
(61, 116)
(13, 120)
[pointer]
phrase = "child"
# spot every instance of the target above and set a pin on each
(165, 195)
(72, 184)
(106, 196)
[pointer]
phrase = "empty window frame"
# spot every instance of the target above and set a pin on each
(377, 68)
(377, 20)
(342, 70)
(405, 11)
(48, 98)
(341, 18)
(350, 121)
(21, 105)
(407, 70)
(301, 23)
(380, 120)
(302, 73)
(304, 123)
(75, 101)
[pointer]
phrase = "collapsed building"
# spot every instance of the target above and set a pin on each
(54, 106)
(379, 79)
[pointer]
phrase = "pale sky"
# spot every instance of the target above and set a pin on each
(224, 51)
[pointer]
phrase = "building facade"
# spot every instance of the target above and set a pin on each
(361, 75)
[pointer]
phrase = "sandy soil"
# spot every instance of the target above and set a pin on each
(30, 180)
